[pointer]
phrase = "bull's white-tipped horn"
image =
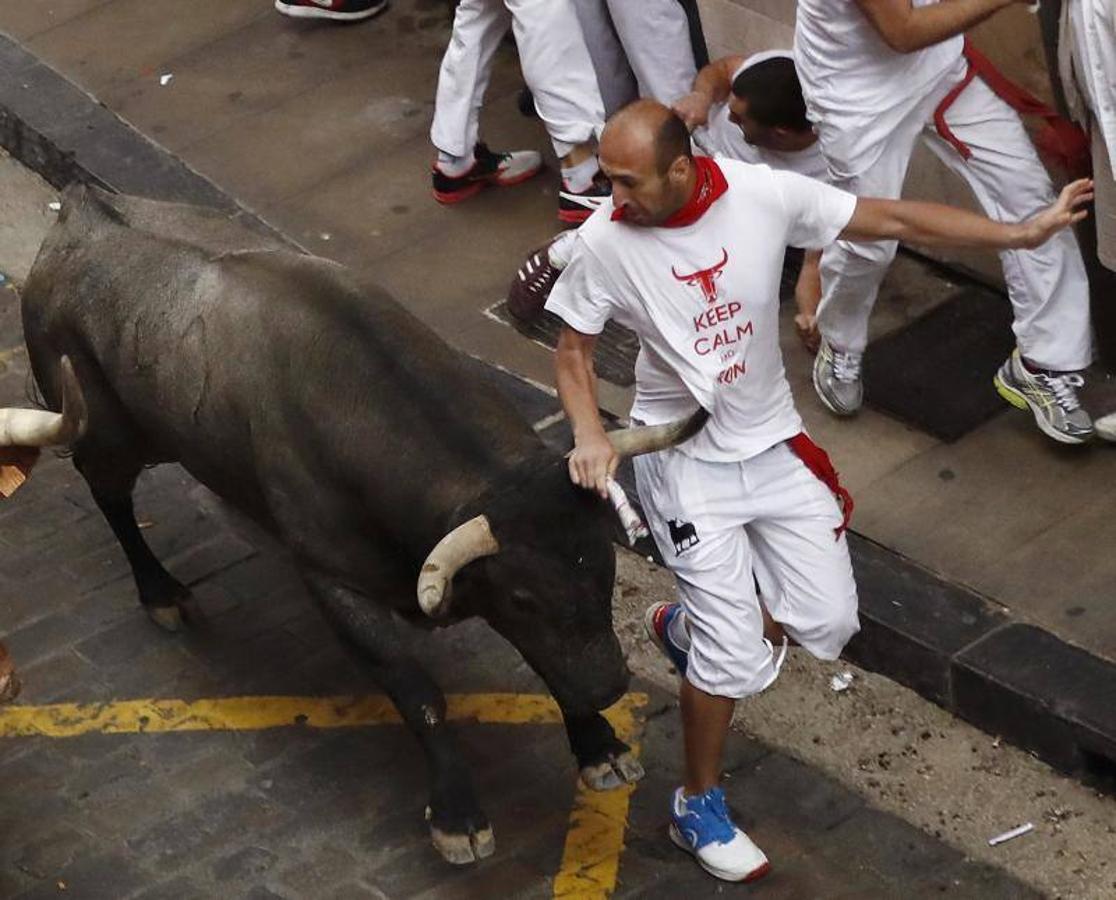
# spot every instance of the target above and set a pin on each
(468, 541)
(650, 438)
(41, 428)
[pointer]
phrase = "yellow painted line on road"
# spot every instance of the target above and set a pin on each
(598, 821)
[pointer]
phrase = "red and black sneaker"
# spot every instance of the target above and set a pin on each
(336, 10)
(534, 279)
(574, 207)
(502, 169)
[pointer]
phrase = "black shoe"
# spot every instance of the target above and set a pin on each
(574, 207)
(503, 169)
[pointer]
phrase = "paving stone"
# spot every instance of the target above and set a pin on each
(313, 876)
(47, 636)
(104, 877)
(248, 863)
(206, 560)
(123, 642)
(64, 676)
(46, 856)
(357, 891)
(180, 888)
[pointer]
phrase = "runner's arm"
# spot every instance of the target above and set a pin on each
(593, 460)
(935, 224)
(711, 85)
(906, 28)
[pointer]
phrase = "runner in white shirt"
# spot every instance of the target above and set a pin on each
(746, 109)
(874, 73)
(688, 252)
(751, 109)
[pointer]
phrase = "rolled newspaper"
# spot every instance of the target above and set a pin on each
(629, 518)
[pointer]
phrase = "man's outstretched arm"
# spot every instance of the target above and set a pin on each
(935, 224)
(593, 460)
(906, 27)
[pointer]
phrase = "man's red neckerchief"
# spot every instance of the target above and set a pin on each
(710, 185)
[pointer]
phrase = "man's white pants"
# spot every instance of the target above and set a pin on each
(638, 49)
(718, 523)
(1047, 286)
(555, 64)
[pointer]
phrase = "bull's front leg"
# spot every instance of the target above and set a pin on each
(458, 827)
(605, 761)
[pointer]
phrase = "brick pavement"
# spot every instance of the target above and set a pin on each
(298, 813)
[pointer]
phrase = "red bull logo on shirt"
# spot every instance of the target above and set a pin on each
(705, 279)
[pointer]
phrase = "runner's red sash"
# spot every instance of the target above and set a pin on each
(817, 461)
(1060, 139)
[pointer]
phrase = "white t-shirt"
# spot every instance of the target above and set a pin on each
(853, 83)
(722, 137)
(704, 300)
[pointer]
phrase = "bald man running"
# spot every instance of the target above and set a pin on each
(688, 253)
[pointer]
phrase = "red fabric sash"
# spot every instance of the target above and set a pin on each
(817, 461)
(1060, 140)
(710, 185)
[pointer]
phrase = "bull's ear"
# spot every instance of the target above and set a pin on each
(15, 467)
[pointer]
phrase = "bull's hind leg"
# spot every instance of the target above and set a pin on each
(111, 480)
(458, 827)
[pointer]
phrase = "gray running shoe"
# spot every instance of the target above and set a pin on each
(1051, 397)
(837, 379)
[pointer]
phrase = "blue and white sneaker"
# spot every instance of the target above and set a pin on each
(657, 620)
(701, 825)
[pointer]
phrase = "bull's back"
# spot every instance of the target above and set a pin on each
(211, 347)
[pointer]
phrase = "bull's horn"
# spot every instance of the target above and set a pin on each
(468, 541)
(41, 428)
(649, 438)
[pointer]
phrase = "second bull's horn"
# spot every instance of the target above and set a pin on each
(650, 438)
(42, 428)
(468, 541)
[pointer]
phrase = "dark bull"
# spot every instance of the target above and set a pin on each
(319, 407)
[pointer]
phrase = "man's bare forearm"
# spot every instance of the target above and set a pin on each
(931, 224)
(906, 28)
(577, 387)
(715, 80)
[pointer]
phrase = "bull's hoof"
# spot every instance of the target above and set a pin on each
(462, 849)
(10, 686)
(616, 771)
(169, 618)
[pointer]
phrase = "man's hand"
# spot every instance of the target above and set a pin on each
(592, 462)
(693, 109)
(1064, 212)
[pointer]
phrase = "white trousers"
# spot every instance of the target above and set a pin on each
(639, 48)
(1105, 206)
(555, 63)
(1047, 286)
(716, 524)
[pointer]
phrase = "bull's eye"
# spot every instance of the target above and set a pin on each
(522, 597)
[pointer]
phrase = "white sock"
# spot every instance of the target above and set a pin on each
(679, 631)
(580, 177)
(455, 166)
